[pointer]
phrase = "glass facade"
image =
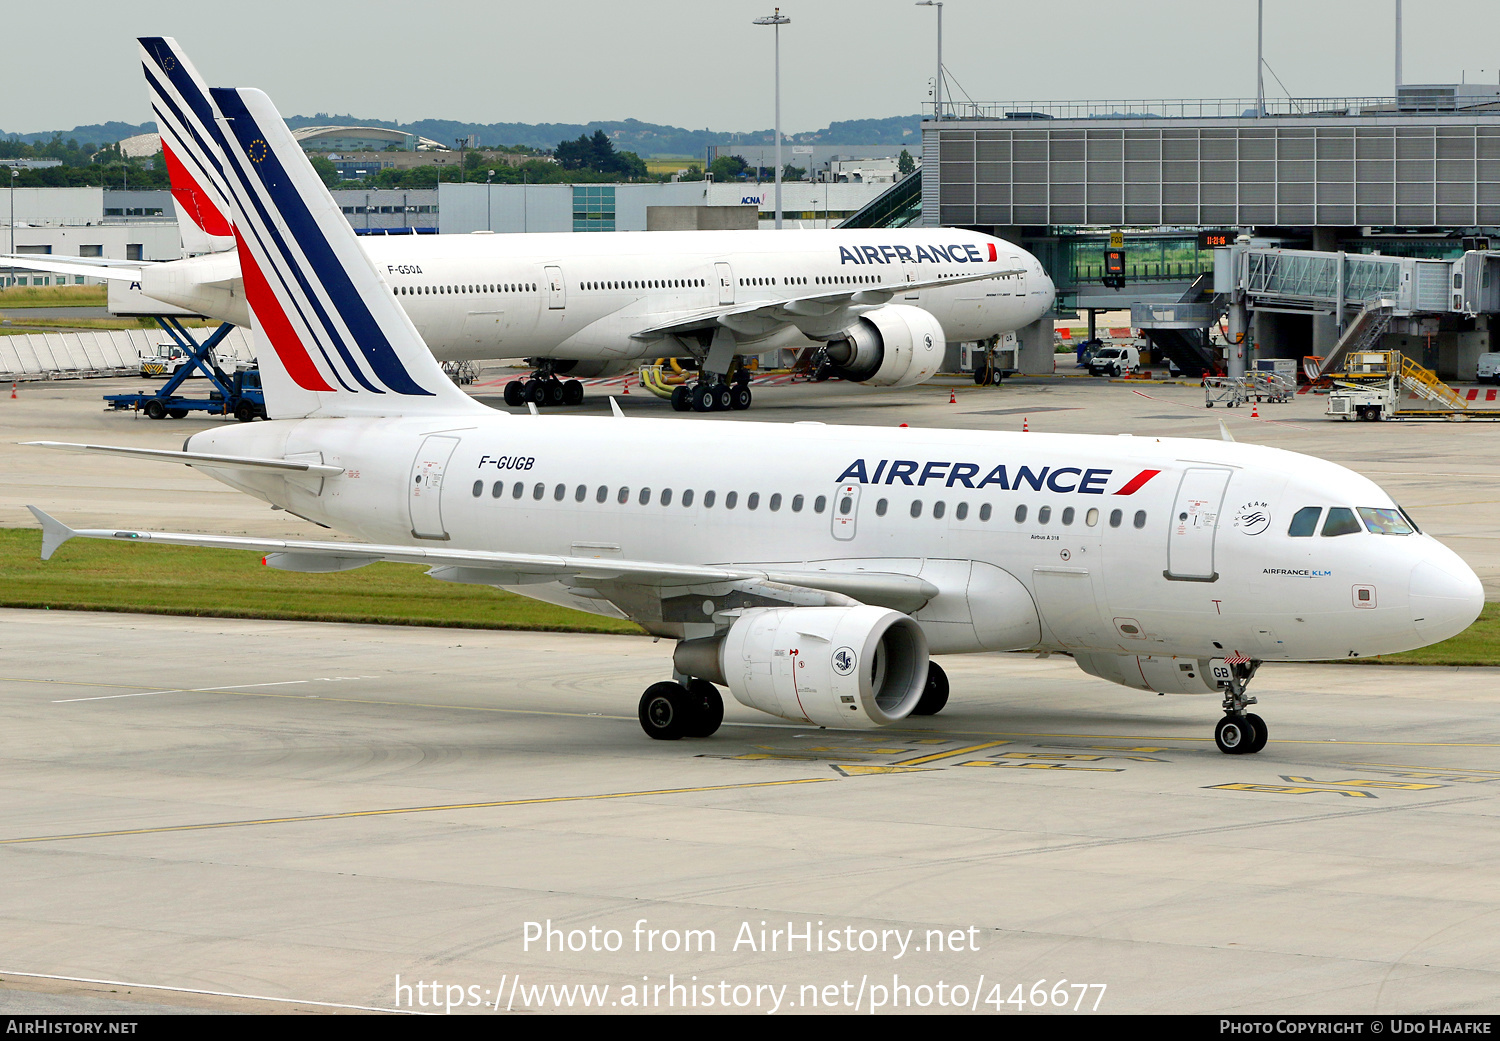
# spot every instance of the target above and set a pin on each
(593, 207)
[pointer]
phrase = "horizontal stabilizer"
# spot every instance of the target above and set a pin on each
(54, 532)
(206, 459)
(115, 270)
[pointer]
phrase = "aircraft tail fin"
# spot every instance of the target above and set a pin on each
(185, 119)
(330, 336)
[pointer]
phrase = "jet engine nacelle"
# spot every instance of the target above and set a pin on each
(1163, 674)
(829, 666)
(893, 346)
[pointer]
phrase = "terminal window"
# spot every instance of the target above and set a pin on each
(593, 207)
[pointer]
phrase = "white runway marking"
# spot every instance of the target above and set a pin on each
(179, 690)
(212, 993)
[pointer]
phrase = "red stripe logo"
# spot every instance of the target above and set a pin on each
(272, 321)
(191, 199)
(1137, 482)
(993, 255)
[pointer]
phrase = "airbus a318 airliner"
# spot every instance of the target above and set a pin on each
(816, 589)
(880, 306)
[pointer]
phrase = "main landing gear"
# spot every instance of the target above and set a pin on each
(672, 710)
(1239, 732)
(935, 694)
(544, 390)
(711, 394)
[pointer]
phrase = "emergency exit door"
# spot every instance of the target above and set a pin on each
(425, 487)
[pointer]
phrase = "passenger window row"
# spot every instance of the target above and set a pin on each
(1341, 520)
(1043, 514)
(506, 287)
(752, 501)
(644, 496)
(849, 280)
(649, 283)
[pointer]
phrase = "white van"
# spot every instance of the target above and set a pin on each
(1488, 368)
(1114, 361)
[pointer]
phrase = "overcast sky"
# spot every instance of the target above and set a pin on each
(702, 64)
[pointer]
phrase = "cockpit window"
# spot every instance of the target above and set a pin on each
(1305, 522)
(1384, 522)
(1341, 521)
(1412, 523)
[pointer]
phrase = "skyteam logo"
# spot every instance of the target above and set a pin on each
(844, 661)
(1253, 517)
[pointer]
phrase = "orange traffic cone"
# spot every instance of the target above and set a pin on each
(1025, 424)
(952, 397)
(13, 390)
(1254, 411)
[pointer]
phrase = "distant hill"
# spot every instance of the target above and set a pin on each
(630, 135)
(95, 133)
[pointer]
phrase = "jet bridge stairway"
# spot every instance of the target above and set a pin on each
(1181, 330)
(898, 206)
(1362, 335)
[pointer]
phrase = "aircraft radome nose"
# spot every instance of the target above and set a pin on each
(1444, 604)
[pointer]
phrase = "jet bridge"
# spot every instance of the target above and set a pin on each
(1366, 295)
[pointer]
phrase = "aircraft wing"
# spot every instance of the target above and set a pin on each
(92, 267)
(636, 586)
(756, 316)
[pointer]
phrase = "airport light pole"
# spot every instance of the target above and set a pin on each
(778, 20)
(937, 83)
(14, 173)
(1260, 62)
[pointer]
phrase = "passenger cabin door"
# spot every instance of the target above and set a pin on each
(845, 511)
(1195, 521)
(425, 487)
(725, 276)
(557, 290)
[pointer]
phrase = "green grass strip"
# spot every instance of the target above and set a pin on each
(53, 296)
(1479, 644)
(93, 575)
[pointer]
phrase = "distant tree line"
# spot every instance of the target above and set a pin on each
(84, 166)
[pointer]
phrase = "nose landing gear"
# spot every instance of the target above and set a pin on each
(1240, 732)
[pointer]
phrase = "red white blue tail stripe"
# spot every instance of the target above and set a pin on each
(185, 119)
(313, 293)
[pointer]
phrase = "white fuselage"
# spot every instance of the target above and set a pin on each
(1124, 545)
(583, 296)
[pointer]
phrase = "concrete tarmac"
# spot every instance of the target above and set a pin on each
(216, 815)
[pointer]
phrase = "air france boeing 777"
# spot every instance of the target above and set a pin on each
(880, 305)
(814, 590)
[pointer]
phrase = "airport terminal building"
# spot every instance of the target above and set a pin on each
(1414, 176)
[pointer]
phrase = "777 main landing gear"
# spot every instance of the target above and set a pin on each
(671, 710)
(1240, 732)
(544, 390)
(708, 395)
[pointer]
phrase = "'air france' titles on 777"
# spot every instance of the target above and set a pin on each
(818, 589)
